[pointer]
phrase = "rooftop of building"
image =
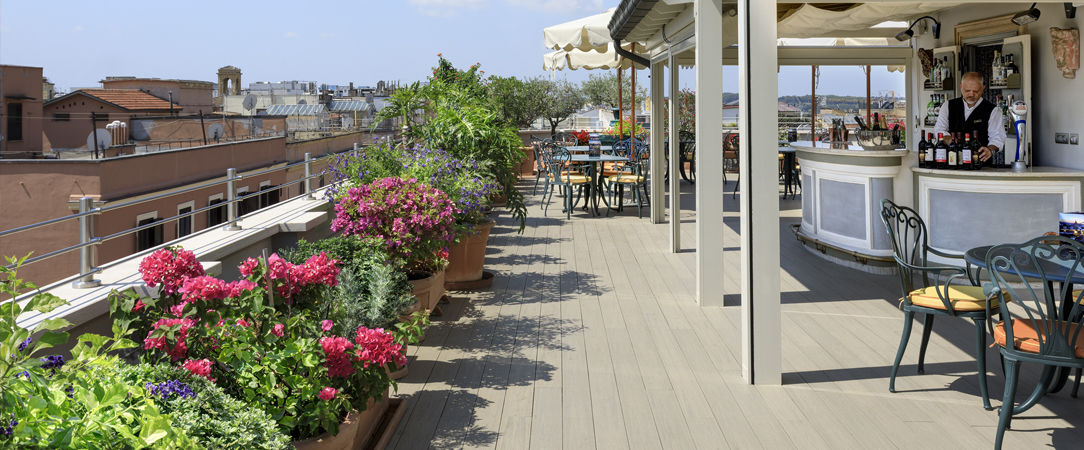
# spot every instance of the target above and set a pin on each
(130, 99)
(132, 78)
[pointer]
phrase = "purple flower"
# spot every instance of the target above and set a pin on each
(24, 344)
(169, 389)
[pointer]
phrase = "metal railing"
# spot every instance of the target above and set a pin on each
(152, 147)
(87, 239)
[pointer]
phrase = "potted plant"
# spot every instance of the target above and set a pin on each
(267, 340)
(469, 185)
(414, 221)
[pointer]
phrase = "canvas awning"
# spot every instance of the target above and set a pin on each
(587, 33)
(579, 59)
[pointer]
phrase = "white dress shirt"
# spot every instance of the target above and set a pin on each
(995, 130)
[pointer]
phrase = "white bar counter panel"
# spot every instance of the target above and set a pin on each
(964, 209)
(842, 192)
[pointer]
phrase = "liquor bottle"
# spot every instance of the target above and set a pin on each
(940, 151)
(883, 122)
(995, 69)
(930, 163)
(922, 148)
(966, 154)
(876, 125)
(1011, 68)
(976, 163)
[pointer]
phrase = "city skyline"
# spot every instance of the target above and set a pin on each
(327, 43)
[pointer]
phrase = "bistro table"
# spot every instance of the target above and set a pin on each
(1054, 271)
(790, 162)
(596, 172)
(585, 148)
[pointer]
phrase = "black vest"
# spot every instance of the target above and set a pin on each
(978, 123)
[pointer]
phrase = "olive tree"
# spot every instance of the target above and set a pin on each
(562, 99)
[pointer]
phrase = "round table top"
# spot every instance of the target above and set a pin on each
(583, 157)
(1053, 269)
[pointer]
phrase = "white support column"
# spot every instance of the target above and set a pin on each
(675, 174)
(758, 124)
(709, 151)
(658, 159)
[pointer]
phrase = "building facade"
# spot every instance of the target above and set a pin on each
(20, 111)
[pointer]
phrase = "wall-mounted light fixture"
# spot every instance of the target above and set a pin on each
(910, 32)
(1026, 16)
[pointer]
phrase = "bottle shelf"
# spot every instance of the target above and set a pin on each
(1011, 82)
(945, 85)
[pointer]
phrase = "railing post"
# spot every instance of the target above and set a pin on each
(355, 147)
(308, 176)
(86, 253)
(231, 200)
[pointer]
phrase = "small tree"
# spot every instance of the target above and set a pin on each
(519, 102)
(601, 90)
(562, 100)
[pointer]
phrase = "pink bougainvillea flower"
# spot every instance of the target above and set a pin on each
(180, 348)
(248, 266)
(200, 367)
(138, 305)
(169, 268)
(326, 325)
(376, 346)
(242, 323)
(277, 330)
(337, 361)
(328, 393)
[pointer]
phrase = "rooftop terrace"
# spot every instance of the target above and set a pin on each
(591, 337)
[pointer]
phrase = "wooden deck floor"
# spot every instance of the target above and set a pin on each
(590, 338)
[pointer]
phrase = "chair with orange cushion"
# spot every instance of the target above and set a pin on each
(943, 291)
(564, 176)
(1044, 325)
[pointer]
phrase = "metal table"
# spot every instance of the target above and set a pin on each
(1053, 270)
(596, 173)
(585, 149)
(790, 161)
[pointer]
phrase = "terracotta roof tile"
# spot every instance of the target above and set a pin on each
(132, 99)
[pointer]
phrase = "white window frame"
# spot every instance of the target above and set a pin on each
(191, 204)
(141, 217)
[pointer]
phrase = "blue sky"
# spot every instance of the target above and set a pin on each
(328, 41)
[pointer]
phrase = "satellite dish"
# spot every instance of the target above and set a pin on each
(216, 131)
(104, 139)
(302, 102)
(249, 102)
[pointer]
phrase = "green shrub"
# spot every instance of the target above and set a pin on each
(212, 418)
(371, 292)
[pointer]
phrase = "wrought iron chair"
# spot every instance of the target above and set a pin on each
(687, 154)
(539, 147)
(730, 159)
(1044, 328)
(632, 173)
(565, 139)
(937, 296)
(563, 175)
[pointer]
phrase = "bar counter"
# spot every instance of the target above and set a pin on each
(842, 190)
(964, 209)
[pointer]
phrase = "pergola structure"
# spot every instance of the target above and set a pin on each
(708, 34)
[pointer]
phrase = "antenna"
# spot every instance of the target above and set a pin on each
(249, 102)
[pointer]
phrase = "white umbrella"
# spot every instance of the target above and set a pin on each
(588, 33)
(579, 59)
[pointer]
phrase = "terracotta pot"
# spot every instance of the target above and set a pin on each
(466, 258)
(354, 432)
(399, 372)
(436, 291)
(421, 288)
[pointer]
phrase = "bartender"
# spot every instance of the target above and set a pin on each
(972, 114)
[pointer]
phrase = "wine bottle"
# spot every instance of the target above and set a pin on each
(953, 160)
(930, 163)
(976, 163)
(966, 154)
(941, 152)
(923, 146)
(861, 124)
(1011, 68)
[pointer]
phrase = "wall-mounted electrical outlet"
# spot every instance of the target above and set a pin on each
(1061, 138)
(1074, 138)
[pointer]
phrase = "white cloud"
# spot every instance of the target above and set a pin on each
(559, 6)
(445, 8)
(290, 35)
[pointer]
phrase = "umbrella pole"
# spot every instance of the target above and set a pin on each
(620, 103)
(813, 108)
(868, 116)
(632, 95)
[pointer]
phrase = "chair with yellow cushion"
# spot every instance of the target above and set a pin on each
(1044, 324)
(932, 290)
(563, 175)
(632, 173)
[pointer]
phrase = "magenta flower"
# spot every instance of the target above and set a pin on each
(170, 268)
(326, 325)
(277, 330)
(328, 393)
